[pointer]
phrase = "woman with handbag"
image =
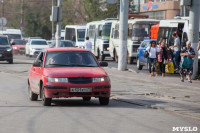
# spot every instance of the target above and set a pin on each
(152, 49)
(187, 62)
(163, 56)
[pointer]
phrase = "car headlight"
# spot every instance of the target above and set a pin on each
(9, 49)
(58, 80)
(101, 79)
(15, 47)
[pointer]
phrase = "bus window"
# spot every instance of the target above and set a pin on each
(106, 30)
(171, 39)
(70, 34)
(140, 32)
(116, 35)
(81, 35)
(130, 28)
(92, 31)
(99, 33)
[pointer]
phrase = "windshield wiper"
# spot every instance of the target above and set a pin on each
(79, 65)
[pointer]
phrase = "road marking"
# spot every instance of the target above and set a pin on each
(13, 75)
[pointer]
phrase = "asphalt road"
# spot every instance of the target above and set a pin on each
(19, 115)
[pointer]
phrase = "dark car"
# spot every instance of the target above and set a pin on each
(6, 51)
(141, 60)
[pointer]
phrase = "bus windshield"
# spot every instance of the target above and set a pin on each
(140, 32)
(81, 35)
(106, 30)
(13, 36)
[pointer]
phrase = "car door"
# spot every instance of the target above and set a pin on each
(36, 73)
(142, 50)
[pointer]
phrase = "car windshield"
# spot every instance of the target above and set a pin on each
(39, 43)
(4, 41)
(66, 44)
(81, 35)
(106, 30)
(19, 42)
(70, 59)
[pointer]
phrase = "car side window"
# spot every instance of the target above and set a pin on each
(40, 57)
(143, 44)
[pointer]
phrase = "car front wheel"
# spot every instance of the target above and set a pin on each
(46, 101)
(104, 100)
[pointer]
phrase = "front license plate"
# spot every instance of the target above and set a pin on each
(88, 89)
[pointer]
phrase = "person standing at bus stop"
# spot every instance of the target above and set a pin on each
(88, 44)
(177, 49)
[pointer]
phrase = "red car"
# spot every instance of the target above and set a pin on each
(18, 46)
(68, 72)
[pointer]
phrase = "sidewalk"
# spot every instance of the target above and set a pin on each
(167, 93)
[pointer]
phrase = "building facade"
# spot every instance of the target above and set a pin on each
(157, 9)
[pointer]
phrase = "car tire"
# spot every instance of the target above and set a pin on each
(86, 98)
(104, 100)
(116, 57)
(139, 66)
(10, 61)
(32, 95)
(130, 60)
(46, 101)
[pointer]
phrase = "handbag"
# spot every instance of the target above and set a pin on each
(170, 67)
(146, 53)
(187, 62)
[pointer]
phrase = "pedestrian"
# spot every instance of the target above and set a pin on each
(177, 48)
(152, 49)
(163, 56)
(187, 62)
(88, 44)
(198, 47)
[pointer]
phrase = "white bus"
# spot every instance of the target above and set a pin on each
(13, 33)
(75, 33)
(99, 34)
(138, 30)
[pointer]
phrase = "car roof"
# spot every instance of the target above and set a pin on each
(66, 49)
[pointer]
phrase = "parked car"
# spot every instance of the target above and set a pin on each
(34, 47)
(63, 43)
(6, 51)
(18, 46)
(68, 72)
(141, 60)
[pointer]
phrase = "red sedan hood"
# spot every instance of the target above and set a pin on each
(75, 72)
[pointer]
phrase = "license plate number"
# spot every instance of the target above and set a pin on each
(88, 89)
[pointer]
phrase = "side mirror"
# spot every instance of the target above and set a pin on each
(13, 43)
(103, 64)
(37, 64)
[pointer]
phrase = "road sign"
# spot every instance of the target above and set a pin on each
(3, 21)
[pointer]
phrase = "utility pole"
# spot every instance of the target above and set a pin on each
(194, 32)
(53, 24)
(22, 16)
(123, 35)
(2, 15)
(58, 26)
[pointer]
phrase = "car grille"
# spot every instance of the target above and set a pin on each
(80, 80)
(22, 48)
(2, 50)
